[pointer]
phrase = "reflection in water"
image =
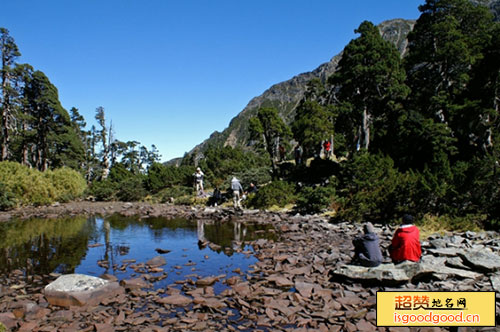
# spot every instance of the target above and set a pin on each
(42, 246)
(200, 230)
(95, 246)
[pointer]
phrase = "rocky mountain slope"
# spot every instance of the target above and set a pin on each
(286, 95)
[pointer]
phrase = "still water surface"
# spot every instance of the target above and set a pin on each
(94, 246)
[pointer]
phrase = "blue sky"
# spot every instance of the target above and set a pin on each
(170, 73)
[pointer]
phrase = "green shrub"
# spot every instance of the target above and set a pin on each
(103, 190)
(314, 200)
(29, 186)
(279, 193)
(68, 183)
(184, 200)
(131, 189)
(174, 192)
(7, 198)
(373, 190)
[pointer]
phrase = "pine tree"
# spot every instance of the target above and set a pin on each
(56, 142)
(444, 47)
(369, 87)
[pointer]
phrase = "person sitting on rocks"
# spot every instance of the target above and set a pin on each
(405, 244)
(367, 248)
(216, 198)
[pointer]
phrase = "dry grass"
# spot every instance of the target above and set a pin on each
(441, 224)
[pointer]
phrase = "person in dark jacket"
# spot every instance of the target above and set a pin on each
(405, 244)
(367, 248)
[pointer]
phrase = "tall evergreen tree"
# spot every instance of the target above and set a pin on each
(369, 86)
(313, 123)
(445, 47)
(57, 144)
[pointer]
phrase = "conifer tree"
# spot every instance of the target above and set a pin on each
(369, 87)
(56, 142)
(313, 120)
(445, 49)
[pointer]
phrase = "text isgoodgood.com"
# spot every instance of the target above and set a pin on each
(435, 318)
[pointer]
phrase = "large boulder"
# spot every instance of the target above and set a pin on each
(79, 290)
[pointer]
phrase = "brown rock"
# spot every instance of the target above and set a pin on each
(242, 289)
(207, 281)
(281, 281)
(28, 326)
(350, 300)
(177, 299)
(363, 325)
(233, 280)
(156, 261)
(350, 327)
(304, 288)
(136, 283)
(8, 319)
(109, 277)
(104, 328)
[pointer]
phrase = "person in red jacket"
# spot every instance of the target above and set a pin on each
(405, 244)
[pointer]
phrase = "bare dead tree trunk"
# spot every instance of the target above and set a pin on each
(5, 116)
(366, 128)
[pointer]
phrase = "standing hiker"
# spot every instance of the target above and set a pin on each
(237, 190)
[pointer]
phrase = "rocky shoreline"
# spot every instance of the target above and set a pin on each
(302, 281)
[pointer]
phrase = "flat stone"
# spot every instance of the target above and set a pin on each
(207, 281)
(363, 325)
(495, 282)
(436, 266)
(304, 288)
(281, 281)
(79, 290)
(177, 299)
(448, 252)
(104, 328)
(136, 283)
(8, 319)
(438, 243)
(482, 260)
(156, 261)
(457, 263)
(384, 273)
